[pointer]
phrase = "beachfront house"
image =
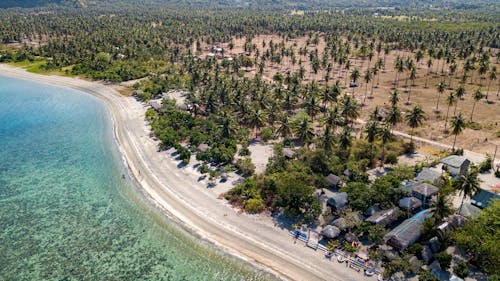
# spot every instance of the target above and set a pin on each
(483, 198)
(333, 180)
(409, 204)
(384, 217)
(337, 201)
(424, 192)
(407, 232)
(428, 175)
(455, 164)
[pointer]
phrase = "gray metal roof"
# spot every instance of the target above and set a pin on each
(454, 161)
(427, 174)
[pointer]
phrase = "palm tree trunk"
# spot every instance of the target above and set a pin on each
(472, 112)
(446, 120)
(454, 142)
(437, 104)
(461, 204)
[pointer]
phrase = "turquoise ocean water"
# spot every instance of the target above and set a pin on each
(66, 213)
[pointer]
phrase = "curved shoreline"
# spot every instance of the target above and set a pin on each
(257, 240)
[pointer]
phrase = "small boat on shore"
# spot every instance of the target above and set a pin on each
(340, 259)
(369, 272)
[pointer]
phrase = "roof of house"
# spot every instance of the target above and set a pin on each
(409, 203)
(428, 175)
(408, 231)
(384, 217)
(454, 161)
(330, 231)
(372, 210)
(203, 147)
(333, 179)
(425, 189)
(483, 198)
(288, 152)
(339, 200)
(469, 210)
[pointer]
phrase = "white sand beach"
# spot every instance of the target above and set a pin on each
(259, 239)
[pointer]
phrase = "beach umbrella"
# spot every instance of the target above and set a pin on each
(330, 231)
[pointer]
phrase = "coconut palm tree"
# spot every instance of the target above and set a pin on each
(354, 77)
(477, 96)
(412, 76)
(304, 129)
(348, 108)
(441, 87)
(385, 136)
(429, 66)
(459, 93)
(450, 100)
(400, 68)
(415, 118)
(332, 118)
(371, 130)
(328, 139)
(257, 119)
(284, 127)
(394, 97)
(468, 184)
(492, 76)
(393, 116)
(442, 206)
(368, 78)
(457, 125)
(345, 139)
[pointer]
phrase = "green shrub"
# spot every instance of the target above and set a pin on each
(246, 167)
(267, 134)
(444, 260)
(254, 205)
(391, 158)
(486, 165)
(461, 269)
(203, 168)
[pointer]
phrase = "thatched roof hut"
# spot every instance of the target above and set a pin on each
(424, 190)
(340, 223)
(407, 232)
(338, 201)
(330, 231)
(384, 217)
(428, 175)
(410, 203)
(203, 147)
(333, 180)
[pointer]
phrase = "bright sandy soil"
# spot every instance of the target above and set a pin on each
(258, 239)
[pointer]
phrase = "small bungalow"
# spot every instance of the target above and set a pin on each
(372, 210)
(333, 180)
(483, 198)
(289, 153)
(338, 201)
(384, 217)
(424, 192)
(407, 232)
(330, 231)
(428, 175)
(455, 164)
(203, 147)
(410, 203)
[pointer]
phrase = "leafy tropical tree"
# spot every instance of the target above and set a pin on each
(415, 118)
(477, 96)
(457, 125)
(468, 184)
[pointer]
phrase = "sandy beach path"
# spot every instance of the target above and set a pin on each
(255, 238)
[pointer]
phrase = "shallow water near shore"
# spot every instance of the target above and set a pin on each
(66, 212)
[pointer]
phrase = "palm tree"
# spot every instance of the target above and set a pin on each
(399, 67)
(492, 76)
(349, 108)
(458, 125)
(333, 118)
(429, 66)
(477, 96)
(375, 71)
(304, 129)
(385, 136)
(450, 100)
(414, 118)
(258, 118)
(468, 183)
(441, 87)
(327, 140)
(354, 77)
(459, 93)
(442, 207)
(371, 130)
(284, 128)
(345, 139)
(393, 116)
(412, 76)
(368, 78)
(394, 97)
(311, 106)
